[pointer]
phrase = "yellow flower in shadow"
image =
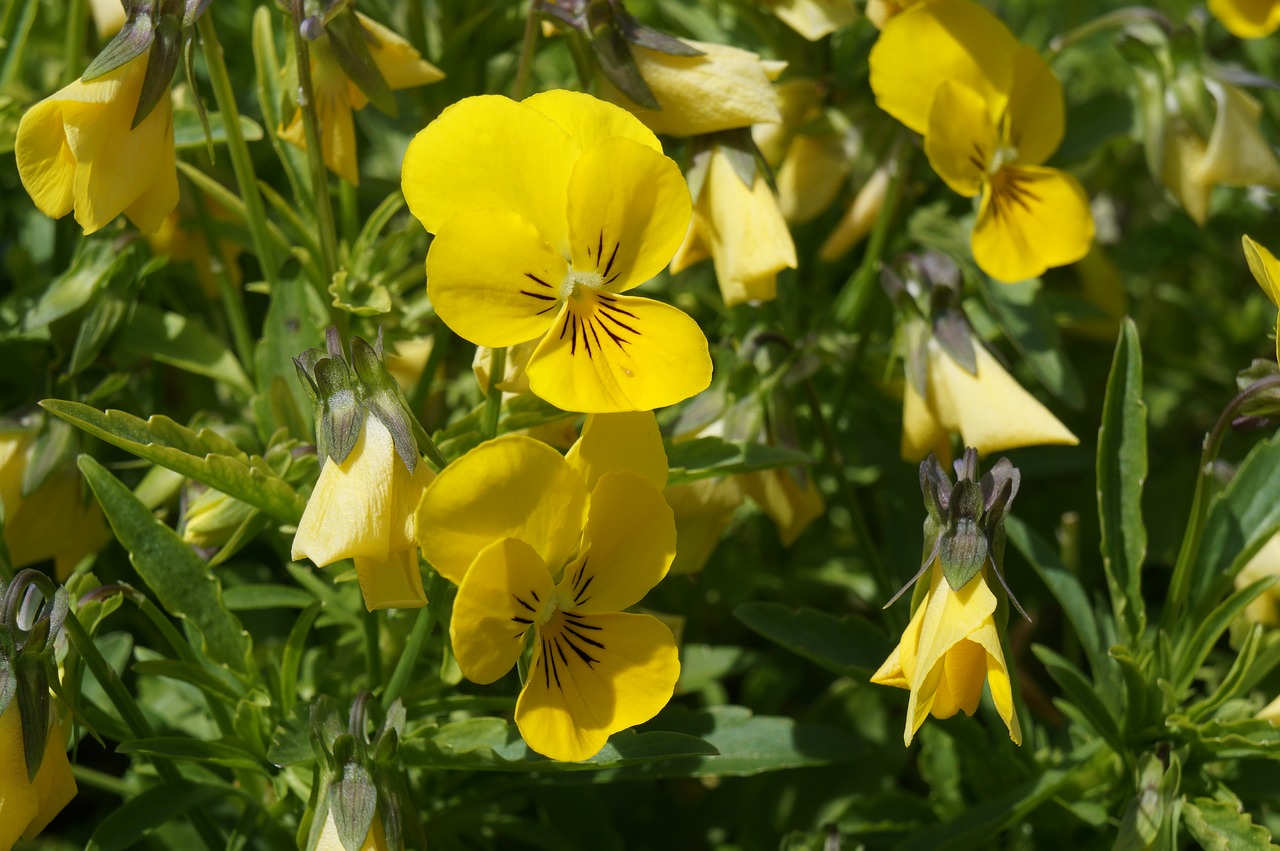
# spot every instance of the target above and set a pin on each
(552, 549)
(337, 97)
(27, 806)
(1266, 271)
(76, 150)
(1247, 18)
(949, 650)
(363, 509)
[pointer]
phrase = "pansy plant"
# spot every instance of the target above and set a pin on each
(545, 212)
(550, 550)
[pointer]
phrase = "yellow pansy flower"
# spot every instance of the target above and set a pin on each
(814, 19)
(27, 806)
(545, 212)
(337, 97)
(991, 112)
(1266, 271)
(77, 151)
(1247, 18)
(990, 410)
(949, 649)
(362, 509)
(741, 228)
(556, 548)
(724, 88)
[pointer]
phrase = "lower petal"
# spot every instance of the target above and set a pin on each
(1031, 219)
(126, 165)
(626, 441)
(152, 206)
(593, 676)
(391, 583)
(964, 672)
(45, 164)
(497, 603)
(493, 279)
(18, 804)
(54, 784)
(610, 353)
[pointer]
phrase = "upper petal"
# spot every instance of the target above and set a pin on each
(629, 208)
(593, 676)
(928, 44)
(589, 120)
(921, 431)
(610, 353)
(962, 138)
(1036, 111)
(492, 277)
(950, 617)
(626, 441)
(489, 151)
(1031, 219)
(510, 487)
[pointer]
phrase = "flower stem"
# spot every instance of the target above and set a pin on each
(232, 298)
(372, 649)
(1179, 586)
(13, 50)
(137, 723)
(422, 626)
(523, 70)
(1114, 19)
(493, 402)
(73, 46)
(315, 154)
(241, 162)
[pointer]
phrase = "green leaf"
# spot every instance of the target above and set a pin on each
(188, 132)
(205, 456)
(1122, 470)
(185, 343)
(179, 578)
(203, 679)
(1222, 826)
(1029, 324)
(714, 456)
(96, 262)
(1191, 655)
(264, 595)
(1081, 692)
(851, 646)
(128, 824)
(186, 749)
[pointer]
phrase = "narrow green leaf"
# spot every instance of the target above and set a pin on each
(186, 749)
(245, 598)
(714, 456)
(1122, 470)
(188, 132)
(1080, 691)
(1029, 324)
(196, 456)
(127, 825)
(209, 683)
(850, 646)
(185, 343)
(179, 578)
(95, 263)
(1222, 826)
(1191, 656)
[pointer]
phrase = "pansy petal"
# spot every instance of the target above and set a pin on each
(629, 209)
(954, 40)
(950, 617)
(391, 583)
(398, 62)
(790, 498)
(19, 803)
(921, 431)
(1031, 219)
(54, 784)
(593, 676)
(998, 678)
(627, 441)
(962, 138)
(1266, 271)
(1036, 112)
(151, 208)
(489, 151)
(610, 353)
(510, 487)
(1247, 18)
(631, 537)
(494, 292)
(124, 168)
(589, 120)
(1238, 153)
(45, 163)
(964, 672)
(498, 601)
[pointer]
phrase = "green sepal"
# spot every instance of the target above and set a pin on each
(963, 548)
(649, 38)
(341, 413)
(192, 10)
(353, 801)
(166, 52)
(305, 364)
(951, 330)
(349, 41)
(32, 693)
(384, 399)
(132, 41)
(742, 153)
(613, 55)
(8, 682)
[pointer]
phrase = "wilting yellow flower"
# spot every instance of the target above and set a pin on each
(1266, 271)
(329, 840)
(811, 176)
(337, 97)
(1265, 608)
(108, 17)
(702, 509)
(363, 509)
(27, 806)
(990, 410)
(991, 111)
(814, 19)
(76, 151)
(859, 219)
(742, 230)
(1237, 153)
(726, 87)
(788, 496)
(1247, 18)
(557, 548)
(949, 649)
(530, 245)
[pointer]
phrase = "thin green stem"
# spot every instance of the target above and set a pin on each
(73, 45)
(241, 162)
(854, 302)
(349, 206)
(493, 400)
(315, 153)
(440, 337)
(232, 298)
(17, 44)
(372, 648)
(1111, 20)
(133, 718)
(531, 30)
(418, 635)
(95, 779)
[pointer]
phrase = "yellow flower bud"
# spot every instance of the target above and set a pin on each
(814, 19)
(790, 498)
(212, 517)
(811, 176)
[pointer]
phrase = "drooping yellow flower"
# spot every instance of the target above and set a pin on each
(814, 19)
(27, 806)
(545, 212)
(75, 151)
(329, 840)
(702, 509)
(1266, 271)
(949, 649)
(1236, 153)
(859, 219)
(363, 509)
(742, 230)
(991, 112)
(990, 410)
(555, 548)
(788, 496)
(1247, 18)
(723, 89)
(337, 97)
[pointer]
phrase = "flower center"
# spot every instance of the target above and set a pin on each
(592, 280)
(1004, 155)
